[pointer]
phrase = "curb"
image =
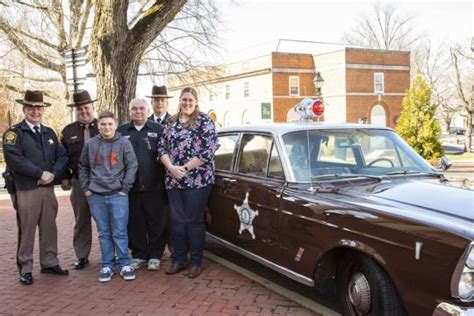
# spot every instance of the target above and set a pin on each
(295, 297)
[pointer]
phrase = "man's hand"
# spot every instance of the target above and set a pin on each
(66, 184)
(88, 193)
(46, 178)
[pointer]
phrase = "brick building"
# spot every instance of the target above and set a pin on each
(360, 85)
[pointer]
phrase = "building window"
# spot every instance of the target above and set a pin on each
(378, 83)
(294, 84)
(245, 65)
(227, 92)
(266, 110)
(211, 95)
(246, 89)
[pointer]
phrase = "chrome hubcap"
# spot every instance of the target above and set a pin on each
(359, 293)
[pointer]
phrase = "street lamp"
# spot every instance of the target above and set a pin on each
(318, 82)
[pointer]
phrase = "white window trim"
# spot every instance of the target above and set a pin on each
(381, 74)
(290, 86)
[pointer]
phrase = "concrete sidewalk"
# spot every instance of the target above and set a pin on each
(218, 291)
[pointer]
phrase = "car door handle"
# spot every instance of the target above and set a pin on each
(229, 180)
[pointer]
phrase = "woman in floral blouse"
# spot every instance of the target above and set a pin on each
(187, 151)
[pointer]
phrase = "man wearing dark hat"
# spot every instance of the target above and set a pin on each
(159, 100)
(38, 160)
(73, 138)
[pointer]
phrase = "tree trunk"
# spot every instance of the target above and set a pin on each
(115, 50)
(469, 132)
(115, 62)
(116, 75)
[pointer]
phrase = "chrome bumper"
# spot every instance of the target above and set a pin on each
(448, 309)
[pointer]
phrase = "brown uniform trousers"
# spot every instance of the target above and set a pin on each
(82, 240)
(37, 207)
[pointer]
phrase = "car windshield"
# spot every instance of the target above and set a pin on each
(317, 155)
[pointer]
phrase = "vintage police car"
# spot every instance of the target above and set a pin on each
(350, 207)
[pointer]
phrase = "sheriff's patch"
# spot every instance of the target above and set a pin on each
(10, 138)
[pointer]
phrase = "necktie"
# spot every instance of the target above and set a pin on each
(87, 133)
(38, 135)
(158, 120)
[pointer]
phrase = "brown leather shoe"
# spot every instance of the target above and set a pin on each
(174, 268)
(194, 272)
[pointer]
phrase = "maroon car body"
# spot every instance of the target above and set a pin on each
(350, 207)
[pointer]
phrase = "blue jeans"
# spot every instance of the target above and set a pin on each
(110, 213)
(187, 219)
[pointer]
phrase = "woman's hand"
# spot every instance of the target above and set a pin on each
(177, 172)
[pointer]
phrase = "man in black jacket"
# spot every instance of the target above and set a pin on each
(37, 159)
(147, 217)
(73, 138)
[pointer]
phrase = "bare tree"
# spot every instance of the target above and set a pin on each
(384, 28)
(40, 31)
(462, 62)
(433, 62)
(117, 34)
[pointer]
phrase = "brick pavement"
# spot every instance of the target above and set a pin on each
(218, 291)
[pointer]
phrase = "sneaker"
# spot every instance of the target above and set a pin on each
(153, 264)
(105, 274)
(128, 273)
(137, 263)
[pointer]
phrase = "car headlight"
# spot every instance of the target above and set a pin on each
(470, 259)
(466, 285)
(464, 276)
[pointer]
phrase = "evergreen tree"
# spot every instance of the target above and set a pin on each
(417, 123)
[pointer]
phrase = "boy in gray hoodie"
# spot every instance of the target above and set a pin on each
(107, 170)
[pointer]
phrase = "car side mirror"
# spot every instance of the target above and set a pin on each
(445, 163)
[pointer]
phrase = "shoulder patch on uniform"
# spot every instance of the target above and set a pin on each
(10, 138)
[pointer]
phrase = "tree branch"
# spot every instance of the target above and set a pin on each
(26, 50)
(77, 41)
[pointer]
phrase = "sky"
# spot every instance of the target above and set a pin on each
(252, 28)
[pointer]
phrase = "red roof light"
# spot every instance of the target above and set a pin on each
(318, 107)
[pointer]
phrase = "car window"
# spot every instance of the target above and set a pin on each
(255, 150)
(275, 169)
(225, 151)
(318, 154)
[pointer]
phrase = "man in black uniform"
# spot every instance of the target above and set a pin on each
(159, 99)
(37, 160)
(147, 217)
(73, 138)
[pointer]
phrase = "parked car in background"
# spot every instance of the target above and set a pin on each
(457, 130)
(347, 208)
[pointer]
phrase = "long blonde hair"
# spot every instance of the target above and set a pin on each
(192, 119)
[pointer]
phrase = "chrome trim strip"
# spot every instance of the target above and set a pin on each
(458, 271)
(448, 309)
(286, 272)
(418, 246)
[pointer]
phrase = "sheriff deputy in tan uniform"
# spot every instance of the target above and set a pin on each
(73, 138)
(37, 160)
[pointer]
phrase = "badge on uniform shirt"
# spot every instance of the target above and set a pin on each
(126, 136)
(10, 138)
(152, 134)
(50, 141)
